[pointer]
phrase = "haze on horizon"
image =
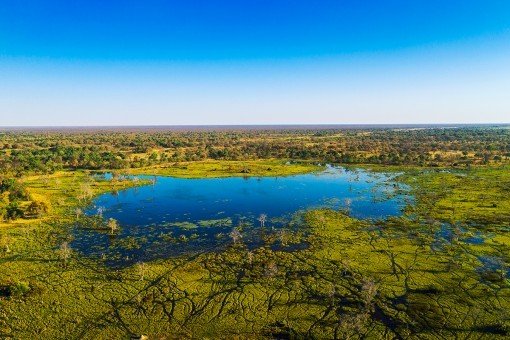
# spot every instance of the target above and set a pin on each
(71, 63)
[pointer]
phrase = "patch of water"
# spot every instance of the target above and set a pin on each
(175, 216)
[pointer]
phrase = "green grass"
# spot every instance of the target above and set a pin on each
(212, 168)
(353, 279)
(61, 191)
(476, 195)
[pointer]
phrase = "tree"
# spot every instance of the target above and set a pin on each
(13, 211)
(65, 252)
(85, 191)
(262, 219)
(348, 203)
(236, 235)
(141, 269)
(113, 225)
(78, 213)
(5, 241)
(100, 212)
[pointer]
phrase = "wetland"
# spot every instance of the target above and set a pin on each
(172, 235)
(200, 213)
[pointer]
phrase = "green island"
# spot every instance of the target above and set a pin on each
(218, 168)
(438, 270)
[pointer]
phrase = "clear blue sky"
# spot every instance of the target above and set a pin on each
(253, 62)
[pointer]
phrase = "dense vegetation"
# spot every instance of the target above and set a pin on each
(16, 201)
(441, 270)
(52, 150)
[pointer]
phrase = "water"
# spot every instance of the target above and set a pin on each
(448, 234)
(176, 216)
(493, 268)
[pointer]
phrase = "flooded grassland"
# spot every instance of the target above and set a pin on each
(341, 253)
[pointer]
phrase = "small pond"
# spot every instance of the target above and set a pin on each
(173, 216)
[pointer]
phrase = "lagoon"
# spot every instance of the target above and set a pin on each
(174, 216)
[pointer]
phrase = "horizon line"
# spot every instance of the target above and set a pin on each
(213, 127)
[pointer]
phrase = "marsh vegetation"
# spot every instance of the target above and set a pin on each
(437, 267)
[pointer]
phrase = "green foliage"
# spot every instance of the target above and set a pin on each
(477, 195)
(51, 151)
(13, 211)
(415, 276)
(14, 194)
(15, 290)
(36, 210)
(16, 191)
(19, 289)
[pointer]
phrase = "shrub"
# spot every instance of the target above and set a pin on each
(18, 289)
(13, 211)
(16, 190)
(36, 209)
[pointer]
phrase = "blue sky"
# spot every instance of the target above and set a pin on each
(253, 62)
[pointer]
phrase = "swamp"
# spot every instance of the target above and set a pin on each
(322, 233)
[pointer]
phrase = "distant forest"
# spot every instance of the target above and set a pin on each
(23, 152)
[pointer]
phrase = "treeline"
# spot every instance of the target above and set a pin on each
(44, 152)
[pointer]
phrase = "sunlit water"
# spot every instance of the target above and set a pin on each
(175, 216)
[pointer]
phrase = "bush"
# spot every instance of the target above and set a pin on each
(36, 209)
(19, 288)
(13, 211)
(16, 190)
